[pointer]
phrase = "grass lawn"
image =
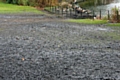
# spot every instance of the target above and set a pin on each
(10, 8)
(114, 24)
(88, 21)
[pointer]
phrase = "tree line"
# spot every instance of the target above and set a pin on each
(44, 3)
(38, 3)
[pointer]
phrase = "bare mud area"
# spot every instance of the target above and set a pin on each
(39, 47)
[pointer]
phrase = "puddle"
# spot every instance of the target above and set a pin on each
(103, 29)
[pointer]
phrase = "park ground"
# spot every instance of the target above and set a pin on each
(45, 47)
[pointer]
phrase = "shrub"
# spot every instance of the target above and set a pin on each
(25, 2)
(2, 0)
(38, 3)
(87, 3)
(20, 2)
(115, 15)
(105, 18)
(15, 1)
(64, 4)
(9, 1)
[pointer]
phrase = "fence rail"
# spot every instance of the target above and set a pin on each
(71, 13)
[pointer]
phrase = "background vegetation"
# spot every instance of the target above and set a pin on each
(87, 3)
(44, 3)
(38, 3)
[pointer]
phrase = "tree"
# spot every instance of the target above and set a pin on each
(9, 1)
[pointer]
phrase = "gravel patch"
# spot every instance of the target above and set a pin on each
(45, 48)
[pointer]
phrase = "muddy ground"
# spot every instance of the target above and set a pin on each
(40, 47)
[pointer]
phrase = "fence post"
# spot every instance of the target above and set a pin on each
(117, 15)
(88, 14)
(93, 14)
(70, 12)
(62, 11)
(108, 15)
(81, 14)
(55, 9)
(66, 12)
(75, 11)
(58, 10)
(51, 8)
(100, 14)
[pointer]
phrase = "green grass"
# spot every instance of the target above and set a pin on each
(10, 8)
(114, 24)
(47, 8)
(88, 21)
